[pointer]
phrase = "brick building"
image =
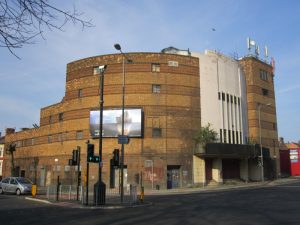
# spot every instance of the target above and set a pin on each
(164, 90)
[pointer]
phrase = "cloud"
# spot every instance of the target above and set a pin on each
(289, 89)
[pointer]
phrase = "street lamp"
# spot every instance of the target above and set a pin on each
(99, 187)
(261, 151)
(123, 140)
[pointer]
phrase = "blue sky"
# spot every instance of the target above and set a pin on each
(38, 79)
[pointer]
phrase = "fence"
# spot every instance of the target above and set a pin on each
(69, 193)
(65, 192)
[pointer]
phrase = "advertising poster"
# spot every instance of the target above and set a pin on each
(294, 156)
(112, 122)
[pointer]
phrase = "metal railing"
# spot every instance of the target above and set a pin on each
(69, 193)
(65, 192)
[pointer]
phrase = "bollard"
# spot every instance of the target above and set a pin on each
(142, 195)
(33, 190)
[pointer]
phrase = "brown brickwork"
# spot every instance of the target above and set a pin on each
(176, 110)
(252, 67)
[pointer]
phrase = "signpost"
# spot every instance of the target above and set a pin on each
(123, 139)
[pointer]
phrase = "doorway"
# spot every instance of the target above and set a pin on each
(231, 168)
(208, 170)
(42, 177)
(173, 177)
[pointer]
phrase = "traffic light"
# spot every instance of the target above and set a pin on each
(90, 154)
(75, 157)
(71, 162)
(116, 158)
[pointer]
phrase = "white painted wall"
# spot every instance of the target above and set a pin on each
(219, 73)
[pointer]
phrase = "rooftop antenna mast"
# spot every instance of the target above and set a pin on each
(266, 53)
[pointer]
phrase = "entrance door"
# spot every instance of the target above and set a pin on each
(208, 169)
(42, 177)
(231, 168)
(173, 177)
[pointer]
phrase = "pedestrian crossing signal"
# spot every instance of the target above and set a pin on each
(94, 159)
(90, 154)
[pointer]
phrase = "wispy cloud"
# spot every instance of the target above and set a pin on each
(289, 89)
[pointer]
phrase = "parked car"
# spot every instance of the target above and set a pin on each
(17, 185)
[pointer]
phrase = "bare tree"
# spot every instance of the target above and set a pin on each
(22, 20)
(11, 149)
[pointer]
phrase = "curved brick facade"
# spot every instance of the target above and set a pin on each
(175, 110)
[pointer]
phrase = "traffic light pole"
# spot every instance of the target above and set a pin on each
(101, 85)
(87, 182)
(99, 187)
(78, 171)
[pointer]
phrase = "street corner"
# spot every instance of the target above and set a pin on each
(38, 200)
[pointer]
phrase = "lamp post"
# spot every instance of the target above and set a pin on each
(99, 187)
(261, 151)
(118, 47)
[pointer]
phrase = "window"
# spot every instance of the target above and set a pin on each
(79, 93)
(13, 181)
(155, 67)
(155, 88)
(239, 101)
(59, 137)
(96, 70)
(227, 95)
(229, 136)
(6, 180)
(263, 75)
(79, 135)
(64, 136)
(233, 138)
(237, 138)
(265, 92)
(19, 144)
(67, 168)
(49, 138)
(1, 163)
(60, 117)
(235, 100)
(223, 96)
(219, 95)
(156, 132)
(32, 141)
(221, 135)
(50, 119)
(173, 63)
(231, 98)
(225, 138)
(241, 138)
(1, 150)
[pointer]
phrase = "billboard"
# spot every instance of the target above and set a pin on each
(112, 122)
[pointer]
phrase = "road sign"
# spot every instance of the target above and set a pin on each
(123, 139)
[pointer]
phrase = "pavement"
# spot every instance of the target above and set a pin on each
(232, 185)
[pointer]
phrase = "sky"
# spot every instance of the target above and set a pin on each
(37, 79)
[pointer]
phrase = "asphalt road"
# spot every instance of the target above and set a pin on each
(270, 205)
